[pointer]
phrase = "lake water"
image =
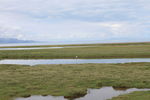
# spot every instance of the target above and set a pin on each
(71, 61)
(92, 94)
(31, 48)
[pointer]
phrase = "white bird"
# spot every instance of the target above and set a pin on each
(76, 57)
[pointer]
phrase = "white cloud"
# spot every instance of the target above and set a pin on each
(10, 32)
(74, 19)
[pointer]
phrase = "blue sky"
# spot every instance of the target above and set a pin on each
(75, 20)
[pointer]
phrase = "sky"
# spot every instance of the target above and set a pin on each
(75, 20)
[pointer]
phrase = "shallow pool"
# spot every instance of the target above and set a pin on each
(92, 94)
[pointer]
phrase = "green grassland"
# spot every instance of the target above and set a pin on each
(72, 80)
(93, 52)
(134, 96)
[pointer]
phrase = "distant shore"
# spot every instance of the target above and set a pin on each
(45, 44)
(90, 51)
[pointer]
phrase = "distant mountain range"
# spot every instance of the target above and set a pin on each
(13, 40)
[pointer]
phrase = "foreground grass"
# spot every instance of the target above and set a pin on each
(134, 96)
(70, 80)
(101, 51)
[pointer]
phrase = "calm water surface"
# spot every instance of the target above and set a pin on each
(71, 61)
(92, 94)
(30, 48)
(34, 48)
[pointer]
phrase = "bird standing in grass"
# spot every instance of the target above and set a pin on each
(76, 59)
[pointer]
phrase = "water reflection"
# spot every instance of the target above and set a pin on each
(70, 61)
(92, 94)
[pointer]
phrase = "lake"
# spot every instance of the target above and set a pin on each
(33, 48)
(70, 61)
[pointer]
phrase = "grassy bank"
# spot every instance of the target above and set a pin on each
(109, 51)
(134, 96)
(70, 80)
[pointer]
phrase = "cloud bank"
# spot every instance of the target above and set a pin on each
(49, 20)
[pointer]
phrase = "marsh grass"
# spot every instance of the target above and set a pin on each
(111, 51)
(145, 95)
(69, 80)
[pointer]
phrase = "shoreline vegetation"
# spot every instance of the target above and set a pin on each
(140, 95)
(99, 51)
(72, 80)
